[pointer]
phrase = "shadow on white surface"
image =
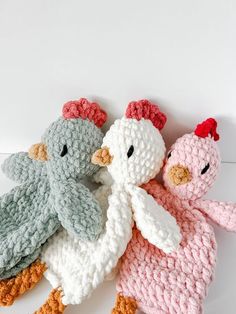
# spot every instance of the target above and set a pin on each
(222, 294)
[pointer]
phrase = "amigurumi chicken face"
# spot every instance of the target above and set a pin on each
(154, 282)
(193, 162)
(50, 188)
(69, 142)
(135, 149)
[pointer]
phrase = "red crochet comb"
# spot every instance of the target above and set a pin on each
(206, 128)
(84, 109)
(145, 109)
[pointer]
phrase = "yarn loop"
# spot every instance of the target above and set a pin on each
(206, 128)
(84, 109)
(147, 110)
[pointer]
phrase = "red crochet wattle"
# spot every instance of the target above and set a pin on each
(206, 128)
(145, 109)
(84, 109)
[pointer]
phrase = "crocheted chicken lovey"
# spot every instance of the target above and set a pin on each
(50, 193)
(133, 150)
(156, 282)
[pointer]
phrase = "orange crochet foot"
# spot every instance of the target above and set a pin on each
(124, 305)
(53, 304)
(12, 288)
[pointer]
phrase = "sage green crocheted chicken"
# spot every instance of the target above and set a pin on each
(50, 193)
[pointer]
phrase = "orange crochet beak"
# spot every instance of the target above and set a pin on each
(179, 175)
(38, 152)
(102, 157)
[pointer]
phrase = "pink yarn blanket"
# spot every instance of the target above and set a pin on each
(177, 282)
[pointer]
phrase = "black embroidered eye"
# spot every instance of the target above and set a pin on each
(204, 170)
(130, 151)
(64, 151)
(169, 155)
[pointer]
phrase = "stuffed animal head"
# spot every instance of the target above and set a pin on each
(70, 141)
(133, 149)
(193, 162)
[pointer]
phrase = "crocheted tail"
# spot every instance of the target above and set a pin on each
(12, 288)
(124, 305)
(53, 304)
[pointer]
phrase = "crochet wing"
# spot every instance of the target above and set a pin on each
(222, 213)
(20, 168)
(78, 210)
(77, 266)
(27, 219)
(6, 273)
(155, 223)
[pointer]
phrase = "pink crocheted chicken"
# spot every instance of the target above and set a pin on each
(155, 282)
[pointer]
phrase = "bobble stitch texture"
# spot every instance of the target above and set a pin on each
(125, 305)
(193, 153)
(53, 304)
(145, 109)
(24, 281)
(158, 281)
(178, 282)
(85, 110)
(65, 255)
(38, 152)
(50, 193)
(206, 128)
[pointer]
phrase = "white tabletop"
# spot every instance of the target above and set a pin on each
(222, 294)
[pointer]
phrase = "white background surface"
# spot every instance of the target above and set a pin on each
(178, 53)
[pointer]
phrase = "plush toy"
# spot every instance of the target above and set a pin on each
(133, 150)
(50, 193)
(156, 282)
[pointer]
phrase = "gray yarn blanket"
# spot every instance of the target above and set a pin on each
(49, 193)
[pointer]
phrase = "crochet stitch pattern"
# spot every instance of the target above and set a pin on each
(178, 282)
(124, 305)
(53, 304)
(66, 256)
(38, 152)
(50, 194)
(16, 286)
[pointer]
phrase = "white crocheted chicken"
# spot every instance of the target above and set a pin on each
(133, 150)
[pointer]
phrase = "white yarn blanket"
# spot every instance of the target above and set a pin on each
(78, 267)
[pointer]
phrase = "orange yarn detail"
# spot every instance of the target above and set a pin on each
(12, 288)
(179, 175)
(53, 304)
(124, 305)
(38, 152)
(102, 157)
